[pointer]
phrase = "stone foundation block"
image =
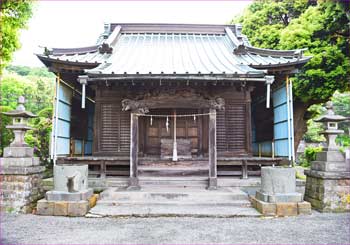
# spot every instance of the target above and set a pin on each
(45, 208)
(78, 209)
(304, 208)
(286, 209)
(267, 209)
(60, 209)
(93, 200)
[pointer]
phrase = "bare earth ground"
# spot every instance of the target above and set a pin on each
(312, 229)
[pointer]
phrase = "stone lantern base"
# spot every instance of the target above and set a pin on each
(328, 182)
(20, 179)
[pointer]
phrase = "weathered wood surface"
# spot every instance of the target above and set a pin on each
(212, 150)
(184, 148)
(134, 134)
(173, 98)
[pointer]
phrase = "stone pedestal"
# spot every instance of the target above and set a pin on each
(278, 195)
(328, 182)
(20, 171)
(20, 183)
(71, 195)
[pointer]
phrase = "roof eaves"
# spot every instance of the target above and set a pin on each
(58, 60)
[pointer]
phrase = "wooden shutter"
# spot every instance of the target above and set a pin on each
(115, 128)
(231, 127)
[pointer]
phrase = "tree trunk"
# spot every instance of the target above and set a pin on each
(300, 120)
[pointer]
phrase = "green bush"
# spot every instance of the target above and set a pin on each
(309, 156)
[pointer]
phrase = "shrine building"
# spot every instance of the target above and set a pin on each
(172, 101)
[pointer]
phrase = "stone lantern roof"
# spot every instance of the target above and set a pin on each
(20, 110)
(330, 116)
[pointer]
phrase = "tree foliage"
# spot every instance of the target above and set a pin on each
(322, 27)
(14, 17)
(38, 91)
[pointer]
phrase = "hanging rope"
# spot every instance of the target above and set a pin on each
(171, 115)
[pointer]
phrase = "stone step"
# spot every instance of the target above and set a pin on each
(180, 181)
(174, 195)
(169, 163)
(173, 170)
(156, 210)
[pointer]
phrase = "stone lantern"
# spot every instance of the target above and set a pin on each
(20, 171)
(331, 122)
(18, 147)
(328, 180)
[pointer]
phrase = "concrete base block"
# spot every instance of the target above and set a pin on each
(285, 197)
(69, 196)
(18, 151)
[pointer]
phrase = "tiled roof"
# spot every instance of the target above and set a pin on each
(165, 49)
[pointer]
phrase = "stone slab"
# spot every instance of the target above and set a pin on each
(304, 208)
(78, 209)
(15, 170)
(19, 161)
(155, 210)
(60, 209)
(70, 178)
(69, 196)
(18, 151)
(327, 175)
(333, 156)
(286, 209)
(265, 208)
(45, 207)
(279, 197)
(330, 166)
(93, 200)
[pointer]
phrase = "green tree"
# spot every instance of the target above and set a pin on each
(38, 91)
(320, 26)
(14, 17)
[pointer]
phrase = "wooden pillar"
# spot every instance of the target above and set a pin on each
(134, 138)
(212, 151)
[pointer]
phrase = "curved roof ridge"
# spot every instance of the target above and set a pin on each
(273, 52)
(67, 51)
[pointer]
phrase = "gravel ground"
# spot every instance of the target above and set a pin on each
(313, 229)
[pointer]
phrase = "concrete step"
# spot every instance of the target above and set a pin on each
(156, 210)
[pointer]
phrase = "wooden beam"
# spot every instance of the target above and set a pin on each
(212, 151)
(134, 128)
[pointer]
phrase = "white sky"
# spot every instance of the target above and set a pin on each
(67, 24)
